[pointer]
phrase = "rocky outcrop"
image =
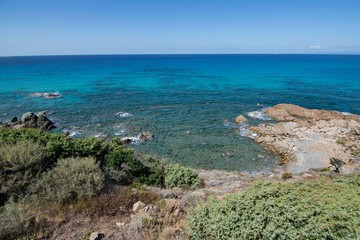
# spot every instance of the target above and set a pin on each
(31, 120)
(140, 138)
(240, 119)
(311, 139)
(290, 112)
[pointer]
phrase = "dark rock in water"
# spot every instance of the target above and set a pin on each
(45, 123)
(29, 119)
(14, 120)
(227, 155)
(337, 164)
(145, 136)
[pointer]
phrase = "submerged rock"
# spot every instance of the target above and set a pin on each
(142, 137)
(240, 119)
(145, 136)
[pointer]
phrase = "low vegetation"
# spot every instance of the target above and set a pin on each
(356, 153)
(48, 180)
(45, 169)
(179, 176)
(314, 209)
(70, 179)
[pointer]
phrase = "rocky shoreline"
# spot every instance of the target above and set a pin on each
(311, 140)
(30, 120)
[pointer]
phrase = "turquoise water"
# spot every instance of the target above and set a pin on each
(182, 99)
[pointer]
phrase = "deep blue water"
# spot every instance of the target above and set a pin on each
(182, 99)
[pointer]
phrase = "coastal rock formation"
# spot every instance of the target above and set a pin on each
(142, 137)
(240, 119)
(311, 139)
(31, 120)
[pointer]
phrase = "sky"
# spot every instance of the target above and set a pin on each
(69, 27)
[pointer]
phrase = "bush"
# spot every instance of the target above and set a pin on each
(13, 221)
(356, 153)
(69, 179)
(123, 166)
(179, 176)
(58, 145)
(318, 209)
(20, 164)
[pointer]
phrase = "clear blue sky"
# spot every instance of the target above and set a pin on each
(37, 27)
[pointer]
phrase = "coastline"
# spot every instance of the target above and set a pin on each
(311, 139)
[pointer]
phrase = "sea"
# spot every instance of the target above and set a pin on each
(188, 102)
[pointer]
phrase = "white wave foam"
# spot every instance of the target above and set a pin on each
(74, 133)
(123, 114)
(99, 135)
(346, 113)
(230, 124)
(245, 131)
(131, 140)
(46, 95)
(261, 115)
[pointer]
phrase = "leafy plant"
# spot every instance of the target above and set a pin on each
(13, 220)
(315, 209)
(356, 153)
(20, 164)
(341, 141)
(123, 166)
(69, 179)
(179, 176)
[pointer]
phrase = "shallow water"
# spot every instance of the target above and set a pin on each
(182, 99)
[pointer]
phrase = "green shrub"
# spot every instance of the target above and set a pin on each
(20, 164)
(120, 162)
(13, 220)
(69, 179)
(356, 153)
(341, 141)
(179, 176)
(123, 166)
(58, 145)
(315, 209)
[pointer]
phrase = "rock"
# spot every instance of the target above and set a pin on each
(286, 175)
(272, 176)
(151, 208)
(240, 119)
(277, 114)
(128, 140)
(337, 164)
(307, 176)
(96, 236)
(29, 119)
(18, 126)
(120, 224)
(145, 136)
(138, 206)
(14, 120)
(354, 160)
(227, 155)
(44, 123)
(66, 132)
(306, 139)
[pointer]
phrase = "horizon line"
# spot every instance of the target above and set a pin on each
(149, 54)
